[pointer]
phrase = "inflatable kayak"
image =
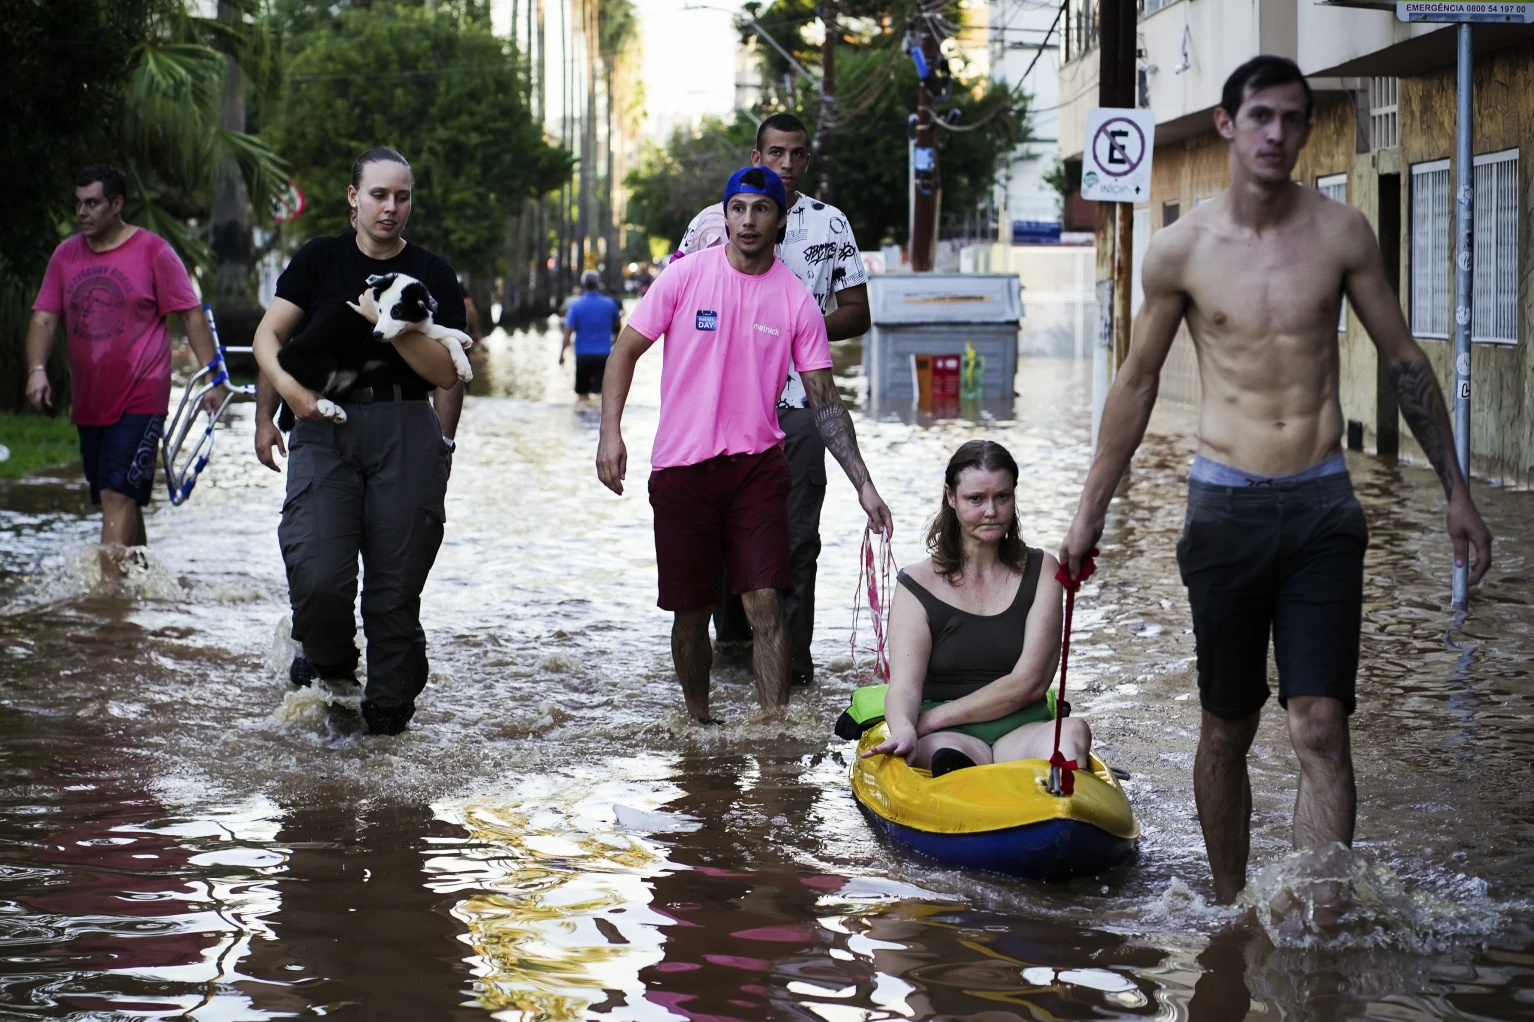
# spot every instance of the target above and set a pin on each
(998, 817)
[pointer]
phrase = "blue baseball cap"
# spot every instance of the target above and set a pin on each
(745, 180)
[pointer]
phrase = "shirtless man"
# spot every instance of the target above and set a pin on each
(1274, 536)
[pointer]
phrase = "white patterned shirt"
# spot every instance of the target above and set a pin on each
(818, 247)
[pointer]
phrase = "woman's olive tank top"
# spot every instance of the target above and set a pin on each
(969, 651)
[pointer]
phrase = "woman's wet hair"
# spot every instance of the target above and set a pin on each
(945, 541)
(381, 154)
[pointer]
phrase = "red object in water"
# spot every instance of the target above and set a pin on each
(945, 380)
(1063, 576)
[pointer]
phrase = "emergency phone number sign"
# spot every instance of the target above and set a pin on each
(1116, 160)
(1451, 11)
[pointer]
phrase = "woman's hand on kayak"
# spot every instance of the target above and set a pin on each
(902, 745)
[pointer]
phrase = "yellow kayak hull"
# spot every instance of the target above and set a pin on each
(999, 817)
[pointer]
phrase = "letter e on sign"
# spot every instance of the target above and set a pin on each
(1116, 162)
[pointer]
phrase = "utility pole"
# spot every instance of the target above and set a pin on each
(924, 168)
(1115, 220)
(827, 96)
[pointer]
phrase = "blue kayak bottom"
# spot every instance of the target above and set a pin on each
(1055, 849)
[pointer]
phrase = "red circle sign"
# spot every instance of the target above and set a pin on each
(288, 204)
(1114, 157)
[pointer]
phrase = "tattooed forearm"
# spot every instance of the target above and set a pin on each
(835, 426)
(1422, 404)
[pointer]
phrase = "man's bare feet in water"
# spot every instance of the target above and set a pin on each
(698, 710)
(1314, 891)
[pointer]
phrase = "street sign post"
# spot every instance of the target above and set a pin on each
(288, 204)
(1116, 161)
(1116, 169)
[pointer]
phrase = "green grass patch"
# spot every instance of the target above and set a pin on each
(37, 442)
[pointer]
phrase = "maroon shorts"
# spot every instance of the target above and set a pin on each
(730, 510)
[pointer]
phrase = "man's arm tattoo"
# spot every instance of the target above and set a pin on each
(834, 423)
(1422, 404)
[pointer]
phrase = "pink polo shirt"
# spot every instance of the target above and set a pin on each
(114, 306)
(729, 337)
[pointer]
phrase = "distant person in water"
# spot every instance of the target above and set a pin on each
(591, 322)
(975, 632)
(113, 285)
(732, 316)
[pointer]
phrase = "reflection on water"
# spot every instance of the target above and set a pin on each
(181, 837)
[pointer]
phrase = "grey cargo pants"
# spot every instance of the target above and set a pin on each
(807, 493)
(375, 487)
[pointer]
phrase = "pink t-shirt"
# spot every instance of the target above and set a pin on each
(114, 306)
(729, 336)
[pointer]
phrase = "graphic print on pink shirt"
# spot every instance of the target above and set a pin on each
(114, 306)
(728, 339)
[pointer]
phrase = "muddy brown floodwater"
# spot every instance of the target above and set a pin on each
(181, 837)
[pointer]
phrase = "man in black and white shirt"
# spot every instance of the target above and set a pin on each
(819, 248)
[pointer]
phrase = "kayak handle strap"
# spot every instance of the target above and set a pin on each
(1062, 779)
(874, 578)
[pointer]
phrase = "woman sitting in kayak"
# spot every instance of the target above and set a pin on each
(975, 632)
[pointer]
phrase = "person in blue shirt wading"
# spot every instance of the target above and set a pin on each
(593, 320)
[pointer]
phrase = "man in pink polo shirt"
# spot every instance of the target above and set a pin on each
(732, 316)
(113, 284)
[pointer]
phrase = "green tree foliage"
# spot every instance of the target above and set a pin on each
(440, 88)
(135, 83)
(877, 94)
(870, 170)
(673, 183)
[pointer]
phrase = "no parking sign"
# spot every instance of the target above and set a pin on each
(1116, 161)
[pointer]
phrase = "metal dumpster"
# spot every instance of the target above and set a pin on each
(938, 314)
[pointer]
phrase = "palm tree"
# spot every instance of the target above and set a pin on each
(617, 43)
(176, 145)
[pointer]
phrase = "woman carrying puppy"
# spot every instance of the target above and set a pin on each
(975, 632)
(373, 485)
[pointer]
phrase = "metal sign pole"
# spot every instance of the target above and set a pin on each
(1464, 276)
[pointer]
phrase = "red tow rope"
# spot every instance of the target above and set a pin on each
(874, 579)
(1062, 779)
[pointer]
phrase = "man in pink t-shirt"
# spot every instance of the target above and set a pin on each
(113, 284)
(732, 316)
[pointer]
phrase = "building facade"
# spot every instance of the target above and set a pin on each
(1023, 49)
(1383, 142)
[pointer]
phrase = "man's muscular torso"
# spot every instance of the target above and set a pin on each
(1263, 311)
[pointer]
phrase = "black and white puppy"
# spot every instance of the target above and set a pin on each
(402, 304)
(340, 341)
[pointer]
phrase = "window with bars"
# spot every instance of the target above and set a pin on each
(1430, 284)
(1384, 102)
(1152, 6)
(1496, 248)
(1335, 187)
(1078, 34)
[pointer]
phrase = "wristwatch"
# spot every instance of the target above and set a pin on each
(452, 445)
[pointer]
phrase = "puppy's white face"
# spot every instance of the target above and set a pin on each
(403, 303)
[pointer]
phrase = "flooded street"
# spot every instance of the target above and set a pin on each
(182, 837)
